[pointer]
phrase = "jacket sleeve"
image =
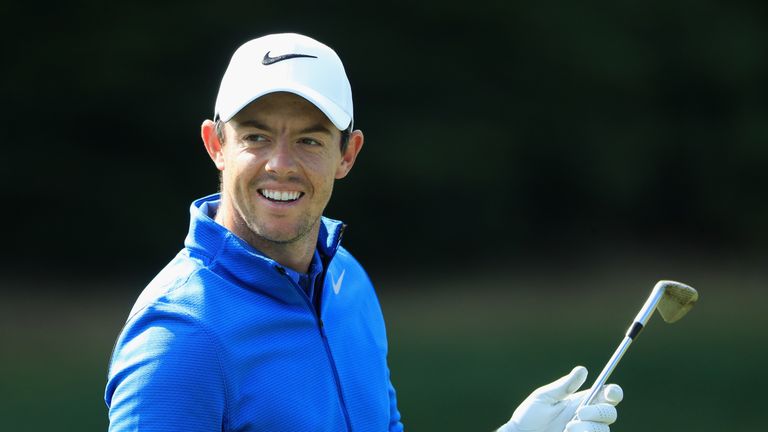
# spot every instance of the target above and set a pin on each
(165, 375)
(395, 425)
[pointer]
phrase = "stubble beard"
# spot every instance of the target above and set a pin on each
(305, 226)
(262, 233)
(261, 236)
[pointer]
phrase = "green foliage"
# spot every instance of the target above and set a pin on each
(547, 124)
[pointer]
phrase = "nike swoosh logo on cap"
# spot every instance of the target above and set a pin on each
(271, 60)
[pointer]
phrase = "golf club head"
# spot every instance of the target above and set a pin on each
(677, 300)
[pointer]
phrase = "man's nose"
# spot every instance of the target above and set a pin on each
(282, 159)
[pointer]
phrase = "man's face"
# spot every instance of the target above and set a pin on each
(279, 160)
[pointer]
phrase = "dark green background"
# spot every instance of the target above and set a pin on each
(530, 170)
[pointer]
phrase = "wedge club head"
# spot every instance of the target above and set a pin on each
(677, 301)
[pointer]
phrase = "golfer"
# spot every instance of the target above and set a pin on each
(263, 321)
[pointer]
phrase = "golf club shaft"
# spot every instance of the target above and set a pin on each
(607, 370)
(637, 326)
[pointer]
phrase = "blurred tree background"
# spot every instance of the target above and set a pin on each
(538, 155)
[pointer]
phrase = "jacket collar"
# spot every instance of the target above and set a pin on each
(232, 257)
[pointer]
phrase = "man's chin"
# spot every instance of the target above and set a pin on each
(282, 239)
(281, 235)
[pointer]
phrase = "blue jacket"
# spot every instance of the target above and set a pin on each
(224, 340)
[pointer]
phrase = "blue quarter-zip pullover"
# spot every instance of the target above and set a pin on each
(224, 339)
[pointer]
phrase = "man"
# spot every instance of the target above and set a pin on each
(263, 322)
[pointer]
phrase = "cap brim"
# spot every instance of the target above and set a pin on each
(335, 114)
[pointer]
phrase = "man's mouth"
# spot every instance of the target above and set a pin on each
(280, 196)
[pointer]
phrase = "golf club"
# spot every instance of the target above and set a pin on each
(672, 299)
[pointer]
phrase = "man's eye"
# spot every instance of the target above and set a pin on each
(310, 141)
(253, 138)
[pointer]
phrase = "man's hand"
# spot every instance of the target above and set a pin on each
(552, 407)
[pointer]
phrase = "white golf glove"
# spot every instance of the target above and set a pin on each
(552, 407)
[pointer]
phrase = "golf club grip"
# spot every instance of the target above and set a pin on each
(607, 370)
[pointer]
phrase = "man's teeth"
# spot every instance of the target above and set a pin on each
(280, 195)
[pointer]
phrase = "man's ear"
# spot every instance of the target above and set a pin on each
(349, 156)
(212, 144)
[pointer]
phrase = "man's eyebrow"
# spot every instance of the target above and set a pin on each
(253, 124)
(316, 128)
(319, 127)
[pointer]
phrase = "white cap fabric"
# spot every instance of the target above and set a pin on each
(286, 62)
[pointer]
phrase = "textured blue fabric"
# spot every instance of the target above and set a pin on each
(224, 340)
(307, 280)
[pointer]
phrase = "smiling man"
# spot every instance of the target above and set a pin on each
(263, 322)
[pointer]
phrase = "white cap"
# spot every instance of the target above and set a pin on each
(286, 62)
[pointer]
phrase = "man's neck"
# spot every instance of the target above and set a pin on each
(296, 255)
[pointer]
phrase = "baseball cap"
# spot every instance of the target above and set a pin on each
(286, 62)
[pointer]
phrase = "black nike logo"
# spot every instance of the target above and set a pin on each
(270, 60)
